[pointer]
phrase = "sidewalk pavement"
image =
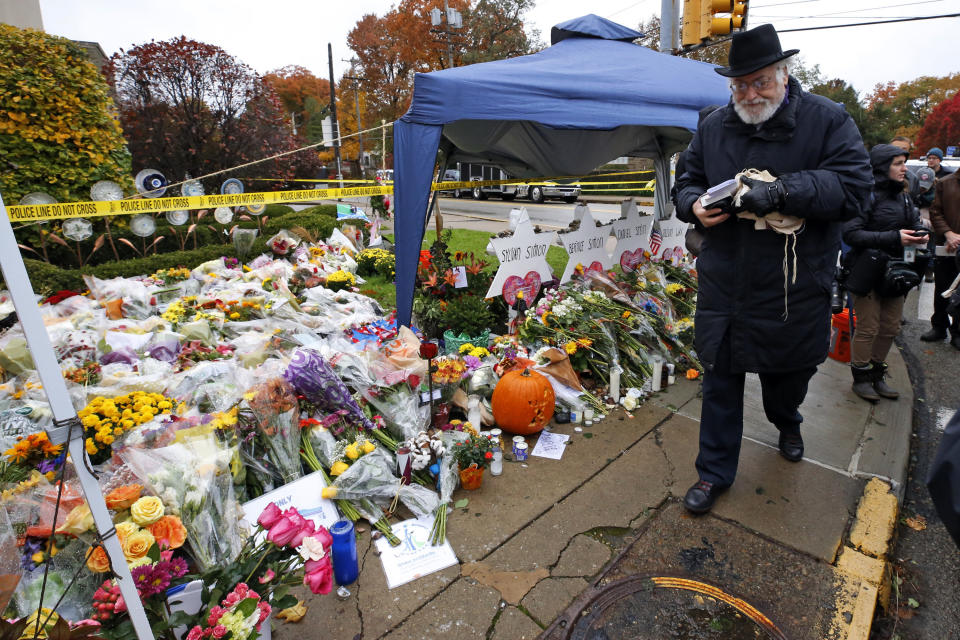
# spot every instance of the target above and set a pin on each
(804, 543)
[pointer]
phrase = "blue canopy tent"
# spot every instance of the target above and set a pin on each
(589, 98)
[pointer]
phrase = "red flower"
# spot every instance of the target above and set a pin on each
(488, 455)
(414, 380)
(428, 350)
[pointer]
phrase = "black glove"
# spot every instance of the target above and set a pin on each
(763, 197)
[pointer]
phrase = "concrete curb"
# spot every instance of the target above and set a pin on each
(863, 567)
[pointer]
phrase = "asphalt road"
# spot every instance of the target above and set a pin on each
(927, 562)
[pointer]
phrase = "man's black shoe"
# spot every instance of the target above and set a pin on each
(934, 335)
(791, 447)
(701, 496)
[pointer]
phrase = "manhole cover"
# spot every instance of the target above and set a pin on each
(654, 608)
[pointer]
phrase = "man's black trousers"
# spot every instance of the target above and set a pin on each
(721, 418)
(944, 273)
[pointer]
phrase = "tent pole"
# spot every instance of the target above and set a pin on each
(433, 201)
(65, 416)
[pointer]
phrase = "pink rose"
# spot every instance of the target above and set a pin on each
(321, 581)
(267, 577)
(195, 634)
(294, 516)
(120, 605)
(283, 532)
(265, 610)
(269, 516)
(242, 590)
(219, 631)
(323, 536)
(312, 566)
(308, 529)
(231, 599)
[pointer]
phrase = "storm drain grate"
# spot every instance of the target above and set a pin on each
(658, 607)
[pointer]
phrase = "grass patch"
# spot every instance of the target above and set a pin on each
(380, 289)
(476, 241)
(384, 291)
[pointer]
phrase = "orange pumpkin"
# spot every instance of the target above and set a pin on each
(523, 402)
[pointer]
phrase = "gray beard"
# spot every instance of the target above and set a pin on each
(758, 117)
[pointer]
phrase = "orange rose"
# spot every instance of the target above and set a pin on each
(692, 374)
(169, 532)
(122, 497)
(97, 560)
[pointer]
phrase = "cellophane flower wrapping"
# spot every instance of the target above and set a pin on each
(385, 388)
(212, 386)
(277, 417)
(449, 476)
(313, 378)
(193, 480)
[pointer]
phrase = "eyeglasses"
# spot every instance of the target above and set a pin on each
(760, 84)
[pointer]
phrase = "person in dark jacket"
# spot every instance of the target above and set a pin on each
(945, 219)
(764, 298)
(892, 223)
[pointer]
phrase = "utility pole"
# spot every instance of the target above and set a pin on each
(669, 26)
(293, 121)
(453, 19)
(383, 144)
(333, 112)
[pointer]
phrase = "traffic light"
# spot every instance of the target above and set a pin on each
(690, 34)
(706, 19)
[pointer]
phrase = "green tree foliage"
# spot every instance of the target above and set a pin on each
(873, 129)
(192, 108)
(57, 133)
(942, 126)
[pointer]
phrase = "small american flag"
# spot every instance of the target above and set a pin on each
(655, 240)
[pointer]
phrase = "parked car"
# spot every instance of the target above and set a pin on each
(538, 192)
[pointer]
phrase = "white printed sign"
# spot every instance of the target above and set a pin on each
(587, 246)
(414, 557)
(523, 263)
(633, 236)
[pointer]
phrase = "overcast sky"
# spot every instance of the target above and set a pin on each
(276, 33)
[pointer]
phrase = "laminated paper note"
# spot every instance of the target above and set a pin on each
(550, 445)
(414, 557)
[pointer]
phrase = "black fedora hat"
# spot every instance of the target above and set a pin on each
(753, 50)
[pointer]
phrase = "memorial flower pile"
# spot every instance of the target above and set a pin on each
(205, 388)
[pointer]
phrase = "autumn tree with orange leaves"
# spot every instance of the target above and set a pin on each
(391, 49)
(190, 107)
(305, 98)
(942, 126)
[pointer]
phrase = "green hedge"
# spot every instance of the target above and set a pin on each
(47, 278)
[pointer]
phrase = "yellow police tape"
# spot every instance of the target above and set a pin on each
(60, 211)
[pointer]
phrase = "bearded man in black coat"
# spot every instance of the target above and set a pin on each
(764, 299)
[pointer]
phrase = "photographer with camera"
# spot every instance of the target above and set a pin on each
(884, 241)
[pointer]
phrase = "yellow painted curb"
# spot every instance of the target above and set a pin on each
(862, 569)
(876, 519)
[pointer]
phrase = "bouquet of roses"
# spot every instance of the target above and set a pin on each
(276, 416)
(238, 616)
(193, 480)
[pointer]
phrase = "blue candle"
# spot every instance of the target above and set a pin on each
(343, 552)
